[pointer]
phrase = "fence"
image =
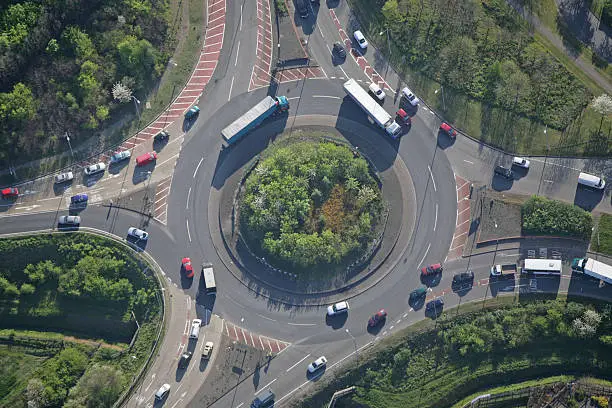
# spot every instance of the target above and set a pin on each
(340, 394)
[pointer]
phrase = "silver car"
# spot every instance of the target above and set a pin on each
(64, 177)
(69, 220)
(95, 168)
(138, 233)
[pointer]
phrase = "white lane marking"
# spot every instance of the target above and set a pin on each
(432, 178)
(241, 7)
(237, 52)
(436, 219)
(326, 96)
(292, 391)
(467, 161)
(293, 366)
(230, 92)
(167, 160)
(548, 181)
(197, 168)
(264, 387)
(294, 97)
(302, 324)
(188, 194)
(405, 314)
(188, 233)
(177, 402)
(321, 32)
(391, 328)
(48, 199)
(241, 404)
(426, 251)
(354, 352)
(398, 321)
(265, 317)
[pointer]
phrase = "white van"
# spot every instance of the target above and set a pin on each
(195, 328)
(377, 91)
(592, 181)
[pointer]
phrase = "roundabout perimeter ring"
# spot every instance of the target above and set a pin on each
(402, 215)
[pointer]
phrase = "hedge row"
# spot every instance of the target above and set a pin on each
(541, 216)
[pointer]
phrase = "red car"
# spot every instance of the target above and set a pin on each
(445, 127)
(10, 192)
(403, 116)
(187, 267)
(380, 316)
(146, 158)
(432, 269)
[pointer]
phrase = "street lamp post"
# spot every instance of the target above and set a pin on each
(389, 48)
(69, 145)
(545, 158)
(136, 103)
(354, 340)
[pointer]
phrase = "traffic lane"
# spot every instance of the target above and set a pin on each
(241, 36)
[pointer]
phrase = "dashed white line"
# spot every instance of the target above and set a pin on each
(292, 391)
(302, 324)
(241, 404)
(398, 321)
(405, 314)
(188, 233)
(241, 28)
(230, 91)
(293, 366)
(391, 328)
(436, 219)
(426, 251)
(326, 96)
(198, 167)
(548, 181)
(294, 97)
(188, 194)
(467, 161)
(432, 177)
(264, 387)
(265, 317)
(237, 52)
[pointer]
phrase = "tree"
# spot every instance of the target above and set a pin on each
(35, 394)
(121, 92)
(602, 105)
(514, 87)
(586, 326)
(27, 289)
(7, 288)
(458, 63)
(136, 58)
(17, 106)
(99, 387)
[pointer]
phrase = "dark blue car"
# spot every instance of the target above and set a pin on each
(79, 199)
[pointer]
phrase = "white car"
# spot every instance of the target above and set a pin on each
(410, 96)
(520, 162)
(317, 364)
(95, 168)
(138, 233)
(69, 220)
(62, 178)
(360, 39)
(162, 392)
(208, 347)
(376, 90)
(340, 307)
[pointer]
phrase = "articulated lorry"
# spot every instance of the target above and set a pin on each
(593, 268)
(253, 118)
(372, 108)
(504, 270)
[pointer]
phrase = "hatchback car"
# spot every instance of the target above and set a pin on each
(520, 162)
(410, 96)
(10, 192)
(504, 172)
(340, 307)
(162, 136)
(192, 113)
(208, 348)
(450, 132)
(377, 91)
(463, 278)
(162, 392)
(187, 268)
(64, 177)
(432, 269)
(377, 318)
(119, 156)
(185, 359)
(95, 168)
(339, 50)
(318, 364)
(79, 199)
(404, 117)
(360, 39)
(69, 220)
(146, 158)
(435, 305)
(138, 233)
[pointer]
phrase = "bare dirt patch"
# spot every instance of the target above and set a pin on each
(501, 216)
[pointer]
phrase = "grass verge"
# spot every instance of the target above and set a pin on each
(602, 237)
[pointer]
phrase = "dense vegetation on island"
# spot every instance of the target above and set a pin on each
(310, 204)
(476, 351)
(59, 62)
(66, 304)
(542, 216)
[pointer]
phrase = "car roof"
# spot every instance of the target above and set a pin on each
(341, 305)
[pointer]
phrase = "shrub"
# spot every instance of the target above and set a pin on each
(541, 216)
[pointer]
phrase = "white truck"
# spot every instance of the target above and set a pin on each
(503, 270)
(372, 108)
(593, 268)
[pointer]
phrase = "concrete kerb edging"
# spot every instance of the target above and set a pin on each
(525, 237)
(157, 269)
(231, 265)
(116, 145)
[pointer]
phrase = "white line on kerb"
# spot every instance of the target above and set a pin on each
(426, 251)
(188, 195)
(432, 178)
(188, 233)
(198, 167)
(436, 219)
(264, 387)
(230, 92)
(237, 52)
(293, 366)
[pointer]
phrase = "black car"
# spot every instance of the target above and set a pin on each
(302, 7)
(504, 172)
(338, 49)
(162, 136)
(463, 278)
(435, 305)
(185, 359)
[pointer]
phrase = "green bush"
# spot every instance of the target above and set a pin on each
(541, 216)
(602, 237)
(281, 7)
(309, 204)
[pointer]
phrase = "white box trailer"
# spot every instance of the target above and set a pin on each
(593, 268)
(372, 108)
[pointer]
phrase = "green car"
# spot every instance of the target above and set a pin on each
(418, 294)
(192, 113)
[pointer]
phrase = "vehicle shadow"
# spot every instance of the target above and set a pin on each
(374, 330)
(142, 173)
(336, 322)
(60, 189)
(461, 289)
(444, 140)
(434, 313)
(115, 168)
(159, 144)
(416, 303)
(431, 280)
(500, 183)
(89, 181)
(519, 172)
(186, 282)
(587, 198)
(203, 363)
(138, 244)
(316, 375)
(504, 285)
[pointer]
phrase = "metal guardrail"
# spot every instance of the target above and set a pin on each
(340, 394)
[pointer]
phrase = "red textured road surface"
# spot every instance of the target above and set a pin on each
(261, 73)
(241, 335)
(462, 225)
(358, 57)
(297, 74)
